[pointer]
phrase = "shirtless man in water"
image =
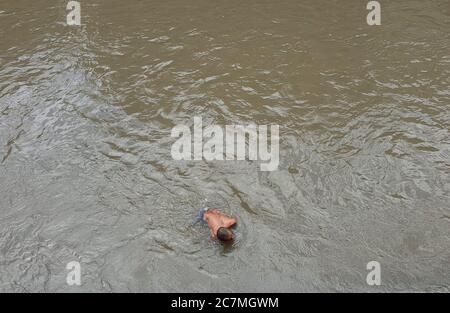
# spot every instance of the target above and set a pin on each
(219, 224)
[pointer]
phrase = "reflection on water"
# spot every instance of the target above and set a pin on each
(87, 175)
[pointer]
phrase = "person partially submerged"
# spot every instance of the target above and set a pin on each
(218, 223)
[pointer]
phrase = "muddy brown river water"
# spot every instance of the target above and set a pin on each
(86, 172)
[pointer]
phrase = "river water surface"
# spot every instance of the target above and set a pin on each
(86, 172)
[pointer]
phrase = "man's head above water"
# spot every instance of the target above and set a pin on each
(225, 234)
(219, 224)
